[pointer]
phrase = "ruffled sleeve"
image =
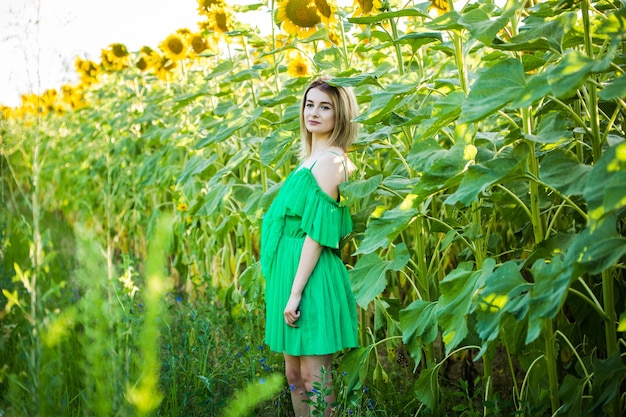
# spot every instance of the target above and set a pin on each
(324, 220)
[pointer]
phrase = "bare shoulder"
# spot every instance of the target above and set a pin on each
(330, 171)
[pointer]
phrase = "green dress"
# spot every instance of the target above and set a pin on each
(328, 314)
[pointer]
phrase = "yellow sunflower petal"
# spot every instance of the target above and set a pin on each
(174, 47)
(298, 17)
(298, 67)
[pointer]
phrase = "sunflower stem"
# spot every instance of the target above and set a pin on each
(394, 31)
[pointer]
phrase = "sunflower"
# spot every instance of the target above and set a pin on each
(174, 47)
(198, 43)
(119, 50)
(148, 58)
(163, 69)
(114, 58)
(87, 70)
(205, 5)
(326, 10)
(439, 7)
(299, 17)
(73, 97)
(7, 112)
(218, 19)
(367, 7)
(298, 67)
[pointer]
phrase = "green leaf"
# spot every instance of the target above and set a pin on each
(505, 291)
(455, 303)
(417, 40)
(552, 280)
(419, 326)
(275, 146)
(358, 189)
(571, 396)
(605, 190)
(364, 79)
(541, 36)
(496, 87)
(196, 165)
(440, 115)
(482, 26)
(233, 162)
(537, 87)
(599, 249)
(613, 89)
(329, 59)
(354, 366)
(552, 129)
(615, 24)
(427, 387)
(562, 170)
(380, 17)
(447, 21)
(479, 177)
(608, 377)
(369, 278)
(382, 230)
(571, 73)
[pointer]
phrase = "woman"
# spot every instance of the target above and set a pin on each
(311, 312)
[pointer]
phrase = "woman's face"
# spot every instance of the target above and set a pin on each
(319, 113)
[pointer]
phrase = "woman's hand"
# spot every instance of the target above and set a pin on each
(292, 313)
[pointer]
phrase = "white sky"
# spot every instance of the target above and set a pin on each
(71, 28)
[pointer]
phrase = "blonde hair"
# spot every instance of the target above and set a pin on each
(346, 108)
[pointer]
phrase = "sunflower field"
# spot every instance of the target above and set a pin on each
(487, 257)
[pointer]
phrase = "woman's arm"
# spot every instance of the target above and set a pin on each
(311, 251)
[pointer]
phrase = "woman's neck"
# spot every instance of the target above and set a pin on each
(320, 146)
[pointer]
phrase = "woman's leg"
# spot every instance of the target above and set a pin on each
(296, 385)
(310, 367)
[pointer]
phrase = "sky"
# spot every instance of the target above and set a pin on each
(71, 28)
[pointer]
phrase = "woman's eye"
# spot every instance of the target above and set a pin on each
(325, 108)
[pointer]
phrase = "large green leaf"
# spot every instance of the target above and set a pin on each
(381, 17)
(382, 230)
(357, 80)
(496, 87)
(369, 275)
(427, 387)
(479, 177)
(552, 280)
(481, 25)
(419, 326)
(447, 21)
(385, 102)
(562, 170)
(541, 35)
(571, 396)
(329, 59)
(196, 165)
(505, 291)
(358, 189)
(615, 24)
(455, 303)
(613, 89)
(606, 184)
(608, 377)
(417, 40)
(598, 247)
(553, 128)
(439, 115)
(275, 146)
(572, 72)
